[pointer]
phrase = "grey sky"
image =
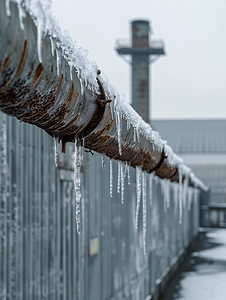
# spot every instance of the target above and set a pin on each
(190, 81)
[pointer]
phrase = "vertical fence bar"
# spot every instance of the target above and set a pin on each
(58, 237)
(36, 261)
(17, 210)
(3, 160)
(52, 224)
(9, 209)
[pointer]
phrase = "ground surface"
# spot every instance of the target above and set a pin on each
(204, 275)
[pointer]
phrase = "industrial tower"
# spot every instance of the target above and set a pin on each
(143, 52)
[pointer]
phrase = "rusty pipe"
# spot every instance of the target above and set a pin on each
(54, 98)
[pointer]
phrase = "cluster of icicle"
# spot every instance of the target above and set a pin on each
(78, 58)
(182, 199)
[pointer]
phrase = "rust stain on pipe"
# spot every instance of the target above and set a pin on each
(4, 63)
(38, 74)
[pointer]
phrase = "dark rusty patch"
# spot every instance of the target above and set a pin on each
(60, 83)
(175, 177)
(38, 74)
(22, 58)
(4, 63)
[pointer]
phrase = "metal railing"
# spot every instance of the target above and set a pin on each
(41, 254)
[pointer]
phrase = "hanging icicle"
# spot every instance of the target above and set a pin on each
(138, 186)
(151, 188)
(122, 181)
(168, 193)
(77, 182)
(144, 197)
(103, 160)
(56, 149)
(180, 196)
(111, 178)
(58, 62)
(119, 177)
(82, 149)
(164, 193)
(190, 197)
(128, 174)
(175, 198)
(118, 122)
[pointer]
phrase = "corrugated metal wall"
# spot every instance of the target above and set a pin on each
(41, 254)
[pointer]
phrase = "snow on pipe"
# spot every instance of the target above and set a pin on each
(48, 81)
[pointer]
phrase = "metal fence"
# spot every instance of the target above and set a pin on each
(41, 254)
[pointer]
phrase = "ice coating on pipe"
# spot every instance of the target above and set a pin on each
(78, 58)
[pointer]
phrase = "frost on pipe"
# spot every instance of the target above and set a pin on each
(48, 81)
(32, 91)
(52, 94)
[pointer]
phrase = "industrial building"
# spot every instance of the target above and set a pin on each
(202, 145)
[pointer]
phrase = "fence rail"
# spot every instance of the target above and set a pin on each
(41, 254)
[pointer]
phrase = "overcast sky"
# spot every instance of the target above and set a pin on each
(190, 81)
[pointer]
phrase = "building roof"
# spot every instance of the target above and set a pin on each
(194, 136)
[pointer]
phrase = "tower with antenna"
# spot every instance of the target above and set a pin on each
(143, 51)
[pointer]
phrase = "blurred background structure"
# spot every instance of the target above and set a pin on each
(202, 145)
(144, 51)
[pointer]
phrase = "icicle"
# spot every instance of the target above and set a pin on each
(175, 198)
(190, 194)
(111, 178)
(71, 69)
(102, 160)
(144, 197)
(138, 186)
(41, 22)
(163, 192)
(77, 183)
(56, 150)
(52, 45)
(128, 174)
(138, 134)
(118, 122)
(151, 188)
(122, 182)
(119, 177)
(82, 149)
(21, 15)
(7, 8)
(168, 193)
(185, 190)
(58, 62)
(114, 103)
(134, 134)
(126, 169)
(180, 196)
(128, 125)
